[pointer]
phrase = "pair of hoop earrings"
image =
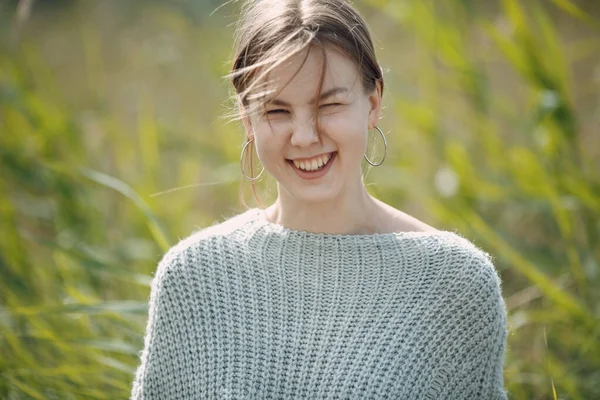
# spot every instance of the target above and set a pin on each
(263, 168)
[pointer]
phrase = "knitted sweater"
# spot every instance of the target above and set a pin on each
(247, 309)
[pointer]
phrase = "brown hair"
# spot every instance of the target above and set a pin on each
(271, 31)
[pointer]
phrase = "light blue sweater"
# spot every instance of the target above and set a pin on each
(250, 310)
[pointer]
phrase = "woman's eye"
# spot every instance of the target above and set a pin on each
(331, 104)
(278, 111)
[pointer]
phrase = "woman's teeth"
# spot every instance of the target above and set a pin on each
(313, 164)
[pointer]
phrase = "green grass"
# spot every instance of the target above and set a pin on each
(491, 117)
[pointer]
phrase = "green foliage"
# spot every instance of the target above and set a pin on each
(105, 109)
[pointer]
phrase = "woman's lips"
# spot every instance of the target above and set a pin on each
(315, 174)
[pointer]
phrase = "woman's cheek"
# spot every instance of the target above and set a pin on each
(332, 120)
(340, 123)
(277, 125)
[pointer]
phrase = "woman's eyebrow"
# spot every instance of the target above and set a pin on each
(324, 95)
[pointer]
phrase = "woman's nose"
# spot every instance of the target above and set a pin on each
(304, 134)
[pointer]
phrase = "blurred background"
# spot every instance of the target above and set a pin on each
(115, 143)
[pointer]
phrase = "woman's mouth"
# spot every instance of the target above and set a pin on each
(315, 167)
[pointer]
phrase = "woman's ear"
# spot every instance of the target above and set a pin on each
(375, 102)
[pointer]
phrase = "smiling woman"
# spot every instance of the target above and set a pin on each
(328, 292)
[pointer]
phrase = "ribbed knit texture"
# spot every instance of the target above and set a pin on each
(248, 309)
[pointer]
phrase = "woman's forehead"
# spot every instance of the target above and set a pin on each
(297, 79)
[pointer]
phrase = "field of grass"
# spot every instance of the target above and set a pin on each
(113, 146)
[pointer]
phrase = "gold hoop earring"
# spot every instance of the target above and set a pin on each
(242, 162)
(384, 151)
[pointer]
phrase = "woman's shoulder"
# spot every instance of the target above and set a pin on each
(448, 250)
(451, 255)
(225, 227)
(468, 264)
(191, 248)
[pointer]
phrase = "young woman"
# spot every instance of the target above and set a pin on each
(328, 292)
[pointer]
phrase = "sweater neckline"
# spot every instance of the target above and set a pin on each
(258, 217)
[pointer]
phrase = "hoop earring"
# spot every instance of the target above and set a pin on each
(242, 162)
(384, 152)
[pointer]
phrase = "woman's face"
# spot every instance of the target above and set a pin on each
(311, 165)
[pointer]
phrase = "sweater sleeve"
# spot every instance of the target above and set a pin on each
(474, 368)
(166, 353)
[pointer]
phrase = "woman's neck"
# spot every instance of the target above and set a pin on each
(355, 215)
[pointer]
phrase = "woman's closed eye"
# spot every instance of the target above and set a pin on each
(330, 105)
(330, 108)
(277, 111)
(282, 111)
